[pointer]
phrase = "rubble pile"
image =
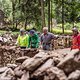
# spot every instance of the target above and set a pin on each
(61, 42)
(8, 39)
(54, 65)
(8, 54)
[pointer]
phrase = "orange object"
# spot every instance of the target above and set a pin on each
(75, 42)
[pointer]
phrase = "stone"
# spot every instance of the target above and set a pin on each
(74, 75)
(71, 62)
(21, 59)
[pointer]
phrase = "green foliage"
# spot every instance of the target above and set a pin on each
(71, 10)
(29, 12)
(59, 31)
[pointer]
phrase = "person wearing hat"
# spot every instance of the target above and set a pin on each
(34, 39)
(23, 39)
(75, 39)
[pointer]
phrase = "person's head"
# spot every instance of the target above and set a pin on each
(26, 32)
(22, 31)
(75, 31)
(45, 30)
(32, 32)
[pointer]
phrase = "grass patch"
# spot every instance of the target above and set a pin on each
(3, 32)
(59, 31)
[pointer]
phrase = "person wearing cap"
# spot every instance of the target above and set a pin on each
(33, 39)
(75, 39)
(23, 39)
(46, 39)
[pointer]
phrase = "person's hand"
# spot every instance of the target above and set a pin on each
(16, 43)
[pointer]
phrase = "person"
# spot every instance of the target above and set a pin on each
(23, 39)
(34, 39)
(75, 39)
(46, 39)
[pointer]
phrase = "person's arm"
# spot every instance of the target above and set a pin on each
(29, 42)
(78, 41)
(37, 41)
(41, 40)
(18, 41)
(55, 36)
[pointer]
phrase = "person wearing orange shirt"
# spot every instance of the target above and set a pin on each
(75, 39)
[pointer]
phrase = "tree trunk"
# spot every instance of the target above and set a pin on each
(43, 14)
(25, 23)
(16, 24)
(49, 15)
(63, 16)
(13, 14)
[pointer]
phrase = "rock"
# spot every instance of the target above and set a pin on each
(74, 75)
(26, 62)
(18, 72)
(41, 54)
(13, 66)
(7, 75)
(21, 59)
(46, 77)
(56, 74)
(25, 76)
(42, 69)
(3, 69)
(32, 63)
(71, 62)
(9, 54)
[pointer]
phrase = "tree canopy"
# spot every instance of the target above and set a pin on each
(35, 12)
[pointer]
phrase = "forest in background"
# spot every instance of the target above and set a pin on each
(60, 14)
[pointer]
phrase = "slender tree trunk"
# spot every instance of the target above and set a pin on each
(43, 14)
(25, 23)
(63, 16)
(49, 15)
(16, 24)
(13, 14)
